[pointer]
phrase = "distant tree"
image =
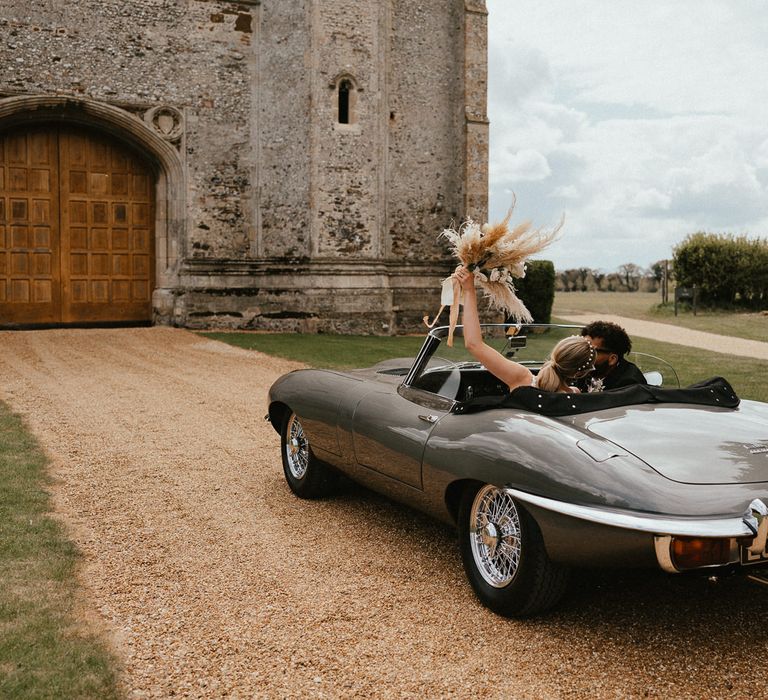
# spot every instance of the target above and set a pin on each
(655, 276)
(648, 282)
(582, 275)
(570, 280)
(579, 279)
(598, 278)
(614, 282)
(656, 271)
(631, 275)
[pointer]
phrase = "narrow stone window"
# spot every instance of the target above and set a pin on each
(345, 96)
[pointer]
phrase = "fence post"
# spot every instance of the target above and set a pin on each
(695, 298)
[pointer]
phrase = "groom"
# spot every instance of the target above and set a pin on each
(612, 369)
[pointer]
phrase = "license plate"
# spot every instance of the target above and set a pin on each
(747, 558)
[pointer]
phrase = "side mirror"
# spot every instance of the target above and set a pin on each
(514, 343)
(654, 378)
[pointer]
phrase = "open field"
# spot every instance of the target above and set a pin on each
(645, 306)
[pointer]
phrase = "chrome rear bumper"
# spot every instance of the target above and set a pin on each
(752, 524)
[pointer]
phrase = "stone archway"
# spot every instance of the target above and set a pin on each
(153, 135)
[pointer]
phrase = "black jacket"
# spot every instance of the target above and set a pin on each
(625, 373)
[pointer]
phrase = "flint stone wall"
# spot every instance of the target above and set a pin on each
(292, 220)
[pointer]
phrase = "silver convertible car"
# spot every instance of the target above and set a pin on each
(539, 482)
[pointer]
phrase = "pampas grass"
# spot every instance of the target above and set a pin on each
(497, 255)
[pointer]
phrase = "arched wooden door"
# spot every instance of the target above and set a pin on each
(76, 229)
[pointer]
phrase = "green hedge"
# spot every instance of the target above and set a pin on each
(728, 270)
(537, 289)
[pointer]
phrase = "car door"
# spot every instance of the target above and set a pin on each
(390, 431)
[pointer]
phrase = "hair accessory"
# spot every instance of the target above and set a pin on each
(592, 356)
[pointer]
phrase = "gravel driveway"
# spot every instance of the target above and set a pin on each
(212, 580)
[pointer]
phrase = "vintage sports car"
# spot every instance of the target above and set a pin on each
(539, 482)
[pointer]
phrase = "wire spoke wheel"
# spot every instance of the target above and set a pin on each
(503, 553)
(495, 536)
(296, 448)
(307, 476)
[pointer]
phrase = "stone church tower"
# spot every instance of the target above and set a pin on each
(264, 164)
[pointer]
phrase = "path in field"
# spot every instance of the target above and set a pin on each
(680, 336)
(213, 580)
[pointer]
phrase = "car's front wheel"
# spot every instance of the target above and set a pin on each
(504, 556)
(307, 476)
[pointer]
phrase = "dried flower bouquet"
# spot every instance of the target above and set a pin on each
(497, 256)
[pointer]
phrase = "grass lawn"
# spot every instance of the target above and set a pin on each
(645, 306)
(331, 351)
(44, 652)
(343, 352)
(746, 374)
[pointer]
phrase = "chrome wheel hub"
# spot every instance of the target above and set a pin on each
(495, 536)
(296, 448)
(490, 537)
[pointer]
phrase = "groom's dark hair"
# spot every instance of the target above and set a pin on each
(614, 337)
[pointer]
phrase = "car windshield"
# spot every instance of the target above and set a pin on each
(452, 373)
(528, 344)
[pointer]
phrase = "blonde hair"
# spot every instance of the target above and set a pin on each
(570, 359)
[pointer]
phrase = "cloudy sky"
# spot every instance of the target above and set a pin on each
(641, 122)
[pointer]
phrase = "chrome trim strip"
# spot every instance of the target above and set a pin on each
(427, 349)
(657, 525)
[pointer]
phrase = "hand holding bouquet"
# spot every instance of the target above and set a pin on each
(496, 255)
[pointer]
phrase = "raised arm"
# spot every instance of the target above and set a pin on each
(510, 372)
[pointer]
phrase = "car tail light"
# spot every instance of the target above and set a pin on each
(694, 552)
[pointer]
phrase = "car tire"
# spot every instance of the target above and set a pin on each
(504, 555)
(307, 476)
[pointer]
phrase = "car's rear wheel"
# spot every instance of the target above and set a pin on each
(307, 476)
(504, 555)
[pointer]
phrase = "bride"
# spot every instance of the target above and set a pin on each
(572, 358)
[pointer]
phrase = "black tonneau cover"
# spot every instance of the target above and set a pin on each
(711, 392)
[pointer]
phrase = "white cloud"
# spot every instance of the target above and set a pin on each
(525, 68)
(526, 164)
(761, 155)
(651, 200)
(659, 130)
(566, 192)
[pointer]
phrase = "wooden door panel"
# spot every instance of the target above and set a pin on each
(108, 222)
(30, 280)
